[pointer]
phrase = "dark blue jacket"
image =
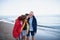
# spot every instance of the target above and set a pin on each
(34, 24)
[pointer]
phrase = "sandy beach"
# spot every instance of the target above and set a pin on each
(42, 33)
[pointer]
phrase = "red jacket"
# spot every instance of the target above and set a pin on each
(17, 28)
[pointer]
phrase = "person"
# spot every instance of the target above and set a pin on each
(25, 28)
(33, 25)
(17, 28)
(20, 28)
(23, 32)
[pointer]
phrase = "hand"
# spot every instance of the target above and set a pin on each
(16, 38)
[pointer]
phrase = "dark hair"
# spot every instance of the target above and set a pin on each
(26, 14)
(23, 17)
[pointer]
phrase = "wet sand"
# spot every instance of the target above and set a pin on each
(42, 33)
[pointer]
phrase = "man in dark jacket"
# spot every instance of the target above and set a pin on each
(33, 25)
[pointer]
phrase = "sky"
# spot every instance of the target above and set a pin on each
(47, 12)
(39, 7)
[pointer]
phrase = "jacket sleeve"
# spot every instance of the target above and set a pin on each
(35, 24)
(15, 31)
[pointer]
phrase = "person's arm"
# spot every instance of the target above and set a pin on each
(23, 25)
(35, 24)
(27, 27)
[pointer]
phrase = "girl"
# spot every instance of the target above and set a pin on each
(20, 28)
(25, 28)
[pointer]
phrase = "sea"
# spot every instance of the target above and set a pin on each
(43, 21)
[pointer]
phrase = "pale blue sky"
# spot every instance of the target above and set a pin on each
(40, 7)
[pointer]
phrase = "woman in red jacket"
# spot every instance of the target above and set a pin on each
(20, 26)
(17, 27)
